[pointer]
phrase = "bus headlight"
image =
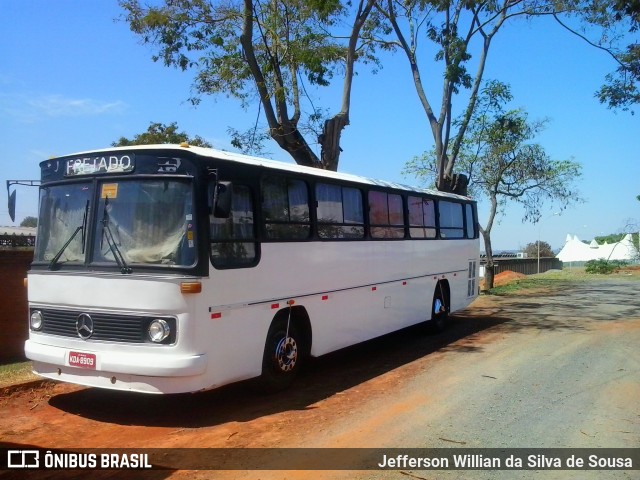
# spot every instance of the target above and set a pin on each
(158, 330)
(36, 320)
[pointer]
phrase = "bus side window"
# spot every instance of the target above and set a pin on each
(233, 240)
(386, 215)
(340, 212)
(285, 208)
(470, 220)
(422, 217)
(451, 219)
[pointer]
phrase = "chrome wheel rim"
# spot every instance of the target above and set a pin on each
(287, 354)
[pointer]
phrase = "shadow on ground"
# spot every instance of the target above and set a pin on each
(322, 378)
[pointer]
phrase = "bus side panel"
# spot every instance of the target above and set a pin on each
(353, 291)
(233, 336)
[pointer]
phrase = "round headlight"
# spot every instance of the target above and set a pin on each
(158, 330)
(36, 320)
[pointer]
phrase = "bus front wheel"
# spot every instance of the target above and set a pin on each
(282, 355)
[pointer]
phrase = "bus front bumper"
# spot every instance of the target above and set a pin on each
(161, 372)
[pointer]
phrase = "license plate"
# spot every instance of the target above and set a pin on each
(82, 360)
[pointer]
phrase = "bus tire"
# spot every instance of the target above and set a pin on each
(282, 356)
(439, 311)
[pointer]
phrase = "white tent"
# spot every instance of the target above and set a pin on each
(575, 250)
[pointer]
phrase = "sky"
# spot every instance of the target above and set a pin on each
(74, 78)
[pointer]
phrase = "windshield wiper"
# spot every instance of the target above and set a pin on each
(53, 265)
(113, 246)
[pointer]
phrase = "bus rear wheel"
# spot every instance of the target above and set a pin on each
(282, 357)
(439, 311)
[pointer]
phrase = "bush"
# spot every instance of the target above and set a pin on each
(604, 266)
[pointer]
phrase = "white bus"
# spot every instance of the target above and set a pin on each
(168, 269)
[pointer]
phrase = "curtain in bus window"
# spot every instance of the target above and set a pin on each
(396, 217)
(275, 204)
(233, 239)
(451, 219)
(386, 215)
(285, 207)
(422, 217)
(378, 209)
(151, 222)
(340, 212)
(429, 211)
(353, 213)
(471, 224)
(329, 203)
(329, 210)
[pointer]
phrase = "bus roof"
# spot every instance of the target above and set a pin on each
(272, 164)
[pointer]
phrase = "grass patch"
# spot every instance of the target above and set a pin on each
(557, 280)
(17, 372)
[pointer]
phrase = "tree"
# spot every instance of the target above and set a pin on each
(532, 249)
(503, 165)
(29, 222)
(456, 27)
(617, 237)
(159, 133)
(264, 51)
(619, 21)
(462, 32)
(616, 22)
(611, 238)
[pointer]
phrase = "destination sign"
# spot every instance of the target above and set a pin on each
(99, 165)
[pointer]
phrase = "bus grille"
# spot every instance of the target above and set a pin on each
(106, 327)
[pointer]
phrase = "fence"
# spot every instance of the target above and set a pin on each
(526, 266)
(17, 237)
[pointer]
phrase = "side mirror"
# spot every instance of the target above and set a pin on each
(221, 202)
(12, 205)
(12, 196)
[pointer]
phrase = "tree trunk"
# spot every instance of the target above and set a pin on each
(330, 141)
(489, 269)
(291, 140)
(332, 131)
(282, 129)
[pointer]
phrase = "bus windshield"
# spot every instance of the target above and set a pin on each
(145, 221)
(141, 221)
(62, 212)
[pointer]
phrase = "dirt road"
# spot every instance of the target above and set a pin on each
(548, 369)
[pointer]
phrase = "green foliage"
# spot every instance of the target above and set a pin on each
(604, 266)
(616, 237)
(622, 87)
(503, 164)
(264, 53)
(617, 22)
(29, 222)
(461, 32)
(612, 238)
(158, 133)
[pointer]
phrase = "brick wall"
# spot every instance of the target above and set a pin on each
(13, 302)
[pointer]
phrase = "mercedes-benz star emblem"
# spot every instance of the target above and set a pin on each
(84, 326)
